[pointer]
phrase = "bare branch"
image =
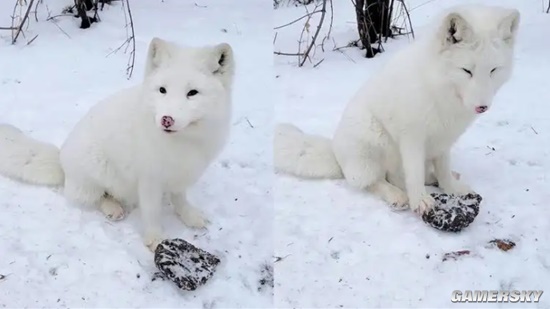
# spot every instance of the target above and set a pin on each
(288, 54)
(13, 16)
(308, 15)
(61, 29)
(32, 40)
(318, 63)
(329, 33)
(60, 15)
(319, 26)
(36, 11)
(305, 29)
(131, 38)
(331, 19)
(421, 4)
(311, 41)
(408, 17)
(25, 17)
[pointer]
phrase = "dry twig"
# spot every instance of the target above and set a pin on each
(314, 39)
(14, 16)
(308, 15)
(305, 29)
(288, 54)
(32, 40)
(36, 10)
(61, 29)
(404, 15)
(22, 23)
(329, 28)
(309, 51)
(130, 39)
(408, 17)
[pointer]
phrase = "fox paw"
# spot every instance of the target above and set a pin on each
(192, 217)
(152, 242)
(422, 204)
(112, 210)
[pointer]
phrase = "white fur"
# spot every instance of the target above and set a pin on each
(119, 154)
(397, 132)
(26, 159)
(299, 152)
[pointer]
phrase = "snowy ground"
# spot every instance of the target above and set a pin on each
(342, 248)
(55, 255)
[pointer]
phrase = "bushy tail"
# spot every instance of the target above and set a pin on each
(304, 155)
(28, 160)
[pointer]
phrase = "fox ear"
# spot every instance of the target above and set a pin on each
(158, 54)
(455, 29)
(508, 26)
(224, 66)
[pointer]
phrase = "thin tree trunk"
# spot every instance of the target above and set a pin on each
(373, 23)
(80, 6)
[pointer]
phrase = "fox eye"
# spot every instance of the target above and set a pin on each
(493, 70)
(162, 90)
(467, 71)
(192, 93)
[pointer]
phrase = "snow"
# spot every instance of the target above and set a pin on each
(338, 247)
(57, 255)
(334, 246)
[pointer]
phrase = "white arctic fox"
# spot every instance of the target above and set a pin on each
(403, 122)
(141, 143)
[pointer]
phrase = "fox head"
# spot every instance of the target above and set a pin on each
(187, 86)
(477, 45)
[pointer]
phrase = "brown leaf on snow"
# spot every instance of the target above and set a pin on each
(503, 244)
(455, 255)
